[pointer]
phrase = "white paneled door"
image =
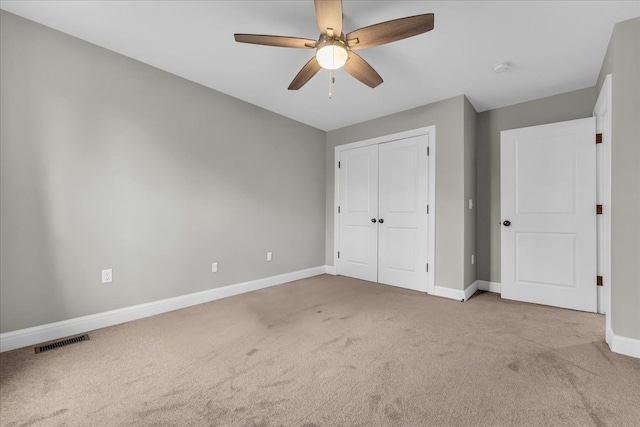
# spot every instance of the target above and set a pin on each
(358, 176)
(383, 196)
(402, 227)
(548, 209)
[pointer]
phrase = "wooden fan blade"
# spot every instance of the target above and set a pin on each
(308, 71)
(280, 41)
(361, 70)
(329, 15)
(390, 31)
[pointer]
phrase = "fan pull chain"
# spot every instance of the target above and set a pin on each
(332, 80)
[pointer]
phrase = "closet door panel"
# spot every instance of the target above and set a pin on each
(402, 250)
(358, 201)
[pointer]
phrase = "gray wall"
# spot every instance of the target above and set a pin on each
(558, 108)
(448, 116)
(470, 162)
(623, 62)
(109, 163)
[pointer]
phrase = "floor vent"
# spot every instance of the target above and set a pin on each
(62, 343)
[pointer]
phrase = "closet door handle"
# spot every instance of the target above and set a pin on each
(373, 220)
(381, 220)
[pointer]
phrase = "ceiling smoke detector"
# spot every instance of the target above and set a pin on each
(501, 67)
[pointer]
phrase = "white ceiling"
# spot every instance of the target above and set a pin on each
(555, 46)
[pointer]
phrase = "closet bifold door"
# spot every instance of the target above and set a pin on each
(358, 246)
(403, 199)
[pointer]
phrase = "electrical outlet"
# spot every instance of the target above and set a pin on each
(107, 276)
(214, 267)
(473, 259)
(269, 256)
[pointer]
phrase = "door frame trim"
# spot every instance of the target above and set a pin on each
(430, 131)
(602, 113)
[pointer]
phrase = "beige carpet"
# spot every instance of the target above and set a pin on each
(331, 351)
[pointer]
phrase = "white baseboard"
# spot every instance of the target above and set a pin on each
(65, 328)
(486, 286)
(441, 291)
(478, 285)
(330, 269)
(623, 345)
(468, 293)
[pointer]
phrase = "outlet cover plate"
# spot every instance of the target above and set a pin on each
(107, 276)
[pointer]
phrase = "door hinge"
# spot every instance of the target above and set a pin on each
(427, 267)
(338, 209)
(598, 138)
(338, 254)
(427, 150)
(338, 165)
(427, 209)
(598, 280)
(598, 209)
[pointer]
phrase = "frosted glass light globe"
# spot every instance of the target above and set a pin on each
(332, 56)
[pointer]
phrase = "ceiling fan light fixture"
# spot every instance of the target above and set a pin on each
(332, 49)
(331, 54)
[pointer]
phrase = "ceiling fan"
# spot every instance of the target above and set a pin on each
(335, 50)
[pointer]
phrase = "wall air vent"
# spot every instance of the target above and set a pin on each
(61, 343)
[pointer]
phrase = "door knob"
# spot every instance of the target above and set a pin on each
(506, 223)
(373, 220)
(381, 220)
